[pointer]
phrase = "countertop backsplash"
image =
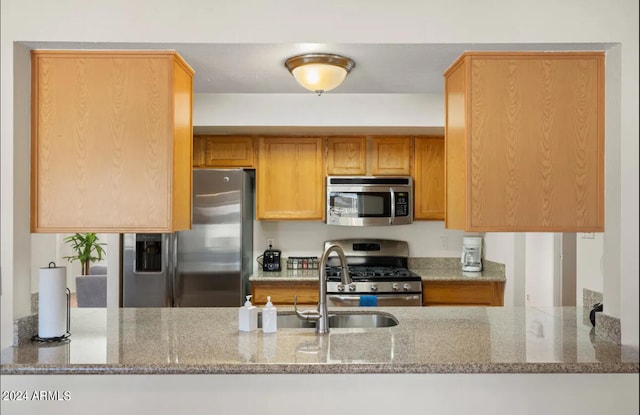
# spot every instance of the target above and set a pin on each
(450, 263)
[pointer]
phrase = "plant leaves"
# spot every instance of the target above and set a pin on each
(87, 248)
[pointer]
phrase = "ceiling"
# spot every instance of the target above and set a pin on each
(259, 68)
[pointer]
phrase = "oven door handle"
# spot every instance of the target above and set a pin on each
(343, 300)
(345, 297)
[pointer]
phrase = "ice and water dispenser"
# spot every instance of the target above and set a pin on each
(148, 250)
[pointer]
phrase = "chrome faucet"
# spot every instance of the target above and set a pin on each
(321, 315)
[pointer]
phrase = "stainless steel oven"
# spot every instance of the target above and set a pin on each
(379, 274)
(368, 200)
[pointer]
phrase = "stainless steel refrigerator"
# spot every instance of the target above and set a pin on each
(207, 266)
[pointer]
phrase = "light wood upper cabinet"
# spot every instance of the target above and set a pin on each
(226, 151)
(429, 178)
(290, 178)
(111, 146)
(525, 142)
(390, 156)
(346, 156)
(371, 156)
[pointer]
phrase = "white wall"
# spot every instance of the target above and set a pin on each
(345, 110)
(508, 249)
(589, 264)
(334, 21)
(307, 238)
(539, 269)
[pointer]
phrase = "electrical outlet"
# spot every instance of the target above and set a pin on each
(444, 242)
(588, 235)
(270, 242)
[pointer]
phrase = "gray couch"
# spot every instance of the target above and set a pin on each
(91, 290)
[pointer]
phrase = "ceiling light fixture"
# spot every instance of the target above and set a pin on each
(319, 72)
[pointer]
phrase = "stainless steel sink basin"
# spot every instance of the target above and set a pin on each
(366, 320)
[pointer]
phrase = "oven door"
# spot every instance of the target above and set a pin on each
(381, 300)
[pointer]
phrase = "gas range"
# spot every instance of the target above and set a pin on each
(378, 269)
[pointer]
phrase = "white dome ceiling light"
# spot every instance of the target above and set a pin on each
(319, 72)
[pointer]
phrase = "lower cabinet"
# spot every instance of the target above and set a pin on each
(283, 292)
(461, 293)
(435, 293)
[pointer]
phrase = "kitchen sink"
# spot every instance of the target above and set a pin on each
(366, 320)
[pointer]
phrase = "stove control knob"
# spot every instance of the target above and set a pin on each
(374, 287)
(352, 287)
(341, 287)
(406, 287)
(394, 286)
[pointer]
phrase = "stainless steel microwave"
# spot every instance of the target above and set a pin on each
(369, 201)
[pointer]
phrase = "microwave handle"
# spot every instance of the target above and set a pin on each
(393, 206)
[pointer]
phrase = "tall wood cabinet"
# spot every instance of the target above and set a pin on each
(525, 142)
(290, 178)
(429, 178)
(111, 146)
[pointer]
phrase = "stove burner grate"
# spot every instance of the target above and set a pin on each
(359, 273)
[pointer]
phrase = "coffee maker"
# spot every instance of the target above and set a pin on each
(471, 259)
(271, 260)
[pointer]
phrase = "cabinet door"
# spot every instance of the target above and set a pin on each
(390, 156)
(525, 142)
(290, 179)
(284, 293)
(461, 293)
(198, 150)
(429, 178)
(111, 143)
(229, 151)
(346, 156)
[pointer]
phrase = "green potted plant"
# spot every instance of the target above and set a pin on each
(87, 249)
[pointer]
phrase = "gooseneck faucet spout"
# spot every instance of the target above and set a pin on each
(321, 315)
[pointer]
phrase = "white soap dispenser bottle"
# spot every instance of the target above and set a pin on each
(248, 316)
(269, 317)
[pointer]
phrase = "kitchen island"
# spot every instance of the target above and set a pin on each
(431, 347)
(426, 340)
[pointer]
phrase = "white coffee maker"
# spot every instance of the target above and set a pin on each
(471, 259)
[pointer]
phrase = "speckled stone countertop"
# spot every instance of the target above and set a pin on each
(426, 340)
(430, 269)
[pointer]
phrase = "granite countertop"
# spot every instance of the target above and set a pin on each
(430, 269)
(426, 340)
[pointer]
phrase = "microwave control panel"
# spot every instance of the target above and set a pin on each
(402, 204)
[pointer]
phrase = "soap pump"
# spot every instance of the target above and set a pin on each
(248, 316)
(269, 317)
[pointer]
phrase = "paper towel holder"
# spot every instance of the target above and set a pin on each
(64, 337)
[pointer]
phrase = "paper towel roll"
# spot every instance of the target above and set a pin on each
(52, 302)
